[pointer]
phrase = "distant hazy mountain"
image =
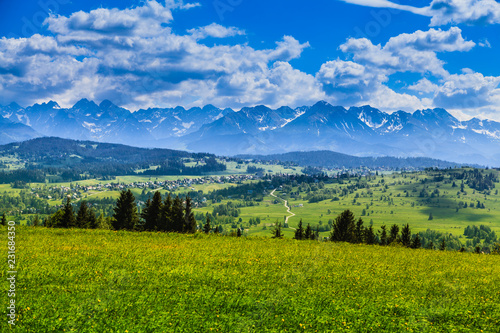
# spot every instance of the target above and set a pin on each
(360, 131)
(330, 159)
(13, 132)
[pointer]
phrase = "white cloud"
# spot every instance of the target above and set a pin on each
(443, 12)
(424, 86)
(131, 56)
(216, 31)
(416, 52)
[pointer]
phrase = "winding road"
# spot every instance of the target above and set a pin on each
(287, 208)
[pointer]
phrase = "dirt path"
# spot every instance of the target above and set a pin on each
(287, 208)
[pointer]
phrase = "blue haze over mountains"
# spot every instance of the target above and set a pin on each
(359, 131)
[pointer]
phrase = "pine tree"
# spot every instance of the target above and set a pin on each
(308, 233)
(430, 217)
(238, 233)
(152, 213)
(369, 235)
(359, 232)
(4, 219)
(68, 218)
(82, 216)
(299, 233)
(189, 220)
(125, 212)
(177, 215)
(416, 244)
(206, 227)
(383, 235)
(394, 234)
(406, 235)
(276, 231)
(343, 227)
(165, 223)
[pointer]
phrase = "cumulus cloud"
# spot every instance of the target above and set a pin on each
(443, 12)
(350, 83)
(216, 31)
(415, 52)
(132, 56)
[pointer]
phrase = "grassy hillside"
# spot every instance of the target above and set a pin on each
(106, 281)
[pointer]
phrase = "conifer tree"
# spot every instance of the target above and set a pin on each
(276, 231)
(369, 235)
(299, 233)
(152, 212)
(406, 235)
(343, 227)
(189, 220)
(383, 235)
(206, 227)
(431, 245)
(238, 232)
(68, 218)
(125, 212)
(216, 229)
(358, 232)
(177, 215)
(416, 244)
(394, 234)
(165, 223)
(308, 233)
(4, 219)
(82, 216)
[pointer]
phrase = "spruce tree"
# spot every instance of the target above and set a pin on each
(238, 233)
(406, 235)
(299, 233)
(383, 235)
(206, 227)
(166, 215)
(82, 216)
(308, 233)
(177, 215)
(189, 220)
(276, 231)
(359, 232)
(152, 213)
(125, 212)
(4, 219)
(394, 234)
(416, 244)
(369, 235)
(68, 218)
(343, 227)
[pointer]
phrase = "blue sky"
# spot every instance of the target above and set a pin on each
(233, 53)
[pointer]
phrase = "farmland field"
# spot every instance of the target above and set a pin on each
(107, 281)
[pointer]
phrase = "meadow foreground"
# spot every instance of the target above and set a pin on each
(108, 281)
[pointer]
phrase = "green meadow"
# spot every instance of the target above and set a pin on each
(105, 281)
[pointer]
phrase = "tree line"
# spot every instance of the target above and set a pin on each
(169, 215)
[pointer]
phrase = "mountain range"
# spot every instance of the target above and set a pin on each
(359, 131)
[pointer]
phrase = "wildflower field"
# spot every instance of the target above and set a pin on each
(72, 280)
